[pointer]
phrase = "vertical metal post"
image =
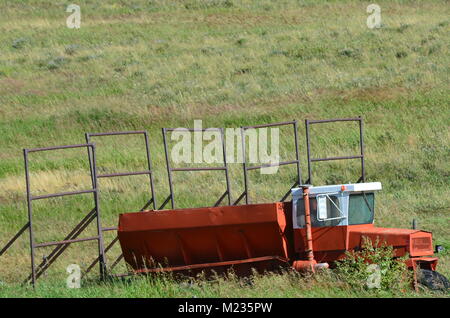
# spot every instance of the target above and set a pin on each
(226, 165)
(169, 169)
(244, 165)
(361, 144)
(101, 250)
(297, 156)
(308, 152)
(30, 218)
(309, 241)
(86, 137)
(147, 147)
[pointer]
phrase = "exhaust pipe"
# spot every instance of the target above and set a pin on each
(310, 263)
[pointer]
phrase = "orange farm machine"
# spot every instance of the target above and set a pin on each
(310, 227)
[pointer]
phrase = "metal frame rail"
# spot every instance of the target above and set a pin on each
(148, 172)
(72, 237)
(282, 163)
(361, 145)
(171, 197)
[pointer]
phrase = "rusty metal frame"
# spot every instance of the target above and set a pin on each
(224, 168)
(246, 168)
(72, 237)
(361, 145)
(148, 172)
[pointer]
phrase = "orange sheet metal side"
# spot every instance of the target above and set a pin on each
(203, 236)
(414, 242)
(287, 229)
(331, 243)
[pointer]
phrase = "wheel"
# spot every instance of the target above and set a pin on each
(433, 280)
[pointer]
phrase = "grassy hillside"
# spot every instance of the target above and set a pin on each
(153, 64)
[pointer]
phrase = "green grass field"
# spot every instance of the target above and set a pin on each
(159, 63)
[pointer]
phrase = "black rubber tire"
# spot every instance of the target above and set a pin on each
(433, 280)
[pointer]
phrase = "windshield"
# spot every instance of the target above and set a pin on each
(360, 208)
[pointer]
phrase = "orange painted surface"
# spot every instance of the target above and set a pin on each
(186, 237)
(331, 243)
(259, 236)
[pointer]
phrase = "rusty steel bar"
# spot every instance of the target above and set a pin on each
(244, 166)
(148, 172)
(336, 158)
(198, 169)
(112, 228)
(30, 217)
(309, 241)
(361, 145)
(61, 194)
(247, 168)
(123, 174)
(221, 199)
(308, 151)
(288, 192)
(227, 177)
(283, 123)
(193, 129)
(101, 246)
(165, 202)
(78, 229)
(117, 133)
(58, 147)
(297, 156)
(59, 249)
(149, 163)
(170, 169)
(118, 259)
(321, 121)
(281, 163)
(239, 198)
(144, 208)
(14, 238)
(92, 238)
(110, 245)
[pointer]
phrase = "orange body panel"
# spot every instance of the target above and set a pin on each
(331, 243)
(259, 236)
(215, 237)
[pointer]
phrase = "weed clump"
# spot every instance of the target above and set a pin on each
(374, 267)
(352, 53)
(56, 63)
(401, 54)
(241, 42)
(19, 43)
(71, 49)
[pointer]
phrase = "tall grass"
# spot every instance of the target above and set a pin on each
(153, 64)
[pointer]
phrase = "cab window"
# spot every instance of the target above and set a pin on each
(333, 212)
(360, 208)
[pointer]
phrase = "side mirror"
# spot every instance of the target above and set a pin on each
(322, 212)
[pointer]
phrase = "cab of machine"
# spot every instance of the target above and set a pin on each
(336, 205)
